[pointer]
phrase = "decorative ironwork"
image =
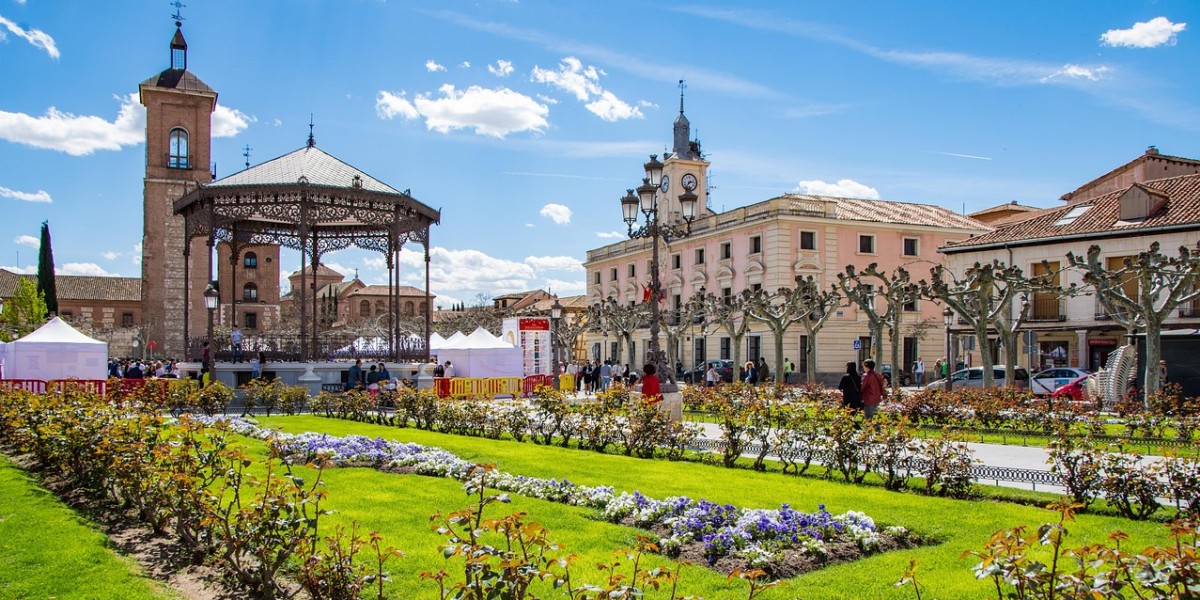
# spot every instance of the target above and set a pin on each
(315, 218)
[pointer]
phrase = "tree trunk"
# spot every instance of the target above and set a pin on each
(779, 374)
(1153, 355)
(896, 366)
(984, 344)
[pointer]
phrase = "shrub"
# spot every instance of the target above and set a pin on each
(946, 466)
(1077, 462)
(1131, 485)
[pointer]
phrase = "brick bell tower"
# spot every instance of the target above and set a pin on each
(179, 111)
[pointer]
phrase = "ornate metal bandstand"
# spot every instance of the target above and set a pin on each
(314, 203)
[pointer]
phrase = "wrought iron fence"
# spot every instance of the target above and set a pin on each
(278, 347)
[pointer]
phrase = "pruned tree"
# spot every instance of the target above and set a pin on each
(897, 290)
(984, 294)
(676, 322)
(1011, 318)
(1163, 283)
(620, 321)
(779, 311)
(24, 312)
(468, 320)
(820, 305)
(569, 331)
(728, 313)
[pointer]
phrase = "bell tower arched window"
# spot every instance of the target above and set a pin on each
(250, 260)
(250, 292)
(178, 155)
(364, 308)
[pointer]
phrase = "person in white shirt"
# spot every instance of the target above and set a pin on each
(711, 376)
(919, 371)
(449, 370)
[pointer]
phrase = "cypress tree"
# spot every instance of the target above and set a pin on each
(45, 275)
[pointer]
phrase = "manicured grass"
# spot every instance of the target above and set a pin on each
(49, 551)
(399, 506)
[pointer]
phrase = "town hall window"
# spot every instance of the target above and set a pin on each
(912, 246)
(250, 292)
(866, 244)
(178, 157)
(808, 240)
(250, 260)
(364, 308)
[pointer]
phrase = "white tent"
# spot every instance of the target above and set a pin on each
(436, 341)
(55, 351)
(481, 354)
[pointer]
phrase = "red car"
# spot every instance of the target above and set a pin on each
(1076, 390)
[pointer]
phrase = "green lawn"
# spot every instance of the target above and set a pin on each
(49, 551)
(400, 505)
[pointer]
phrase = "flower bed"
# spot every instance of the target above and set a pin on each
(782, 541)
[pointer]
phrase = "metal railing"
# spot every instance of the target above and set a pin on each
(279, 347)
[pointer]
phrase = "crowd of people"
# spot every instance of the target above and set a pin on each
(592, 376)
(132, 368)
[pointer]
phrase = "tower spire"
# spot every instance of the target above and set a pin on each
(682, 86)
(311, 140)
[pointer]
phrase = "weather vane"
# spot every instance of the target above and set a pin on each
(311, 141)
(246, 153)
(178, 16)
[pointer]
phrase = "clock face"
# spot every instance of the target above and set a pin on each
(665, 185)
(688, 181)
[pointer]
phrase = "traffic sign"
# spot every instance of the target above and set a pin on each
(858, 344)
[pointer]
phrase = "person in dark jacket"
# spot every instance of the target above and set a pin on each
(851, 386)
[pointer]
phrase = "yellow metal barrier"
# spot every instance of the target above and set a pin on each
(566, 382)
(477, 387)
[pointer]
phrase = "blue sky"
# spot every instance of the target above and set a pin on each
(525, 121)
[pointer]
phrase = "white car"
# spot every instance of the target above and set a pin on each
(1046, 382)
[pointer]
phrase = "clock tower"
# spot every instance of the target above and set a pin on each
(684, 169)
(179, 111)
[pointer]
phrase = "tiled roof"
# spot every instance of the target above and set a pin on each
(81, 287)
(1150, 154)
(906, 213)
(572, 303)
(382, 290)
(516, 295)
(318, 166)
(1102, 219)
(322, 271)
(179, 80)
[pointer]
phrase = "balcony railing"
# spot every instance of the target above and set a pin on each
(179, 162)
(1047, 309)
(330, 346)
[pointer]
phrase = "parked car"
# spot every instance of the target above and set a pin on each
(973, 378)
(1075, 390)
(886, 371)
(1046, 382)
(696, 373)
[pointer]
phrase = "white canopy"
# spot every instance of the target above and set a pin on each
(436, 340)
(55, 351)
(481, 354)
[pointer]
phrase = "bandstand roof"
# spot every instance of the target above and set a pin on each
(304, 195)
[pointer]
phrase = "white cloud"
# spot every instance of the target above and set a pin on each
(844, 188)
(345, 271)
(36, 37)
(609, 235)
(467, 272)
(433, 67)
(584, 83)
(136, 257)
(27, 240)
(611, 108)
(375, 263)
(110, 255)
(558, 213)
(38, 196)
(562, 287)
(466, 64)
(1158, 31)
(77, 135)
(1076, 72)
(30, 270)
(77, 268)
(389, 105)
(530, 225)
(491, 112)
(546, 99)
(228, 122)
(502, 68)
(277, 122)
(554, 263)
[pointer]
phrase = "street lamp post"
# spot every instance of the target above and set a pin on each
(948, 316)
(647, 202)
(211, 297)
(555, 315)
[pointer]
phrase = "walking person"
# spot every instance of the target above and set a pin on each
(749, 373)
(235, 344)
(711, 376)
(764, 372)
(919, 371)
(651, 390)
(872, 389)
(851, 387)
(605, 375)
